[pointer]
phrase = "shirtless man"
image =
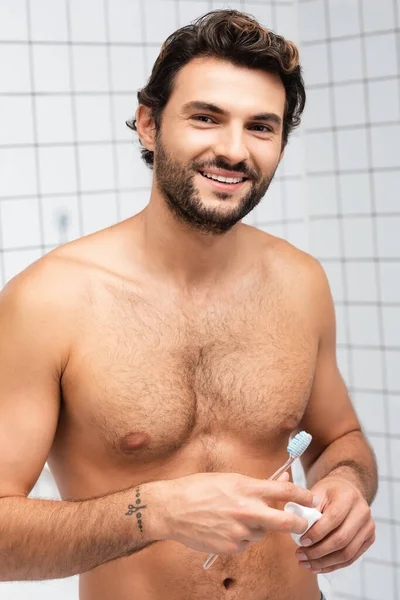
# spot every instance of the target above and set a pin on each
(164, 362)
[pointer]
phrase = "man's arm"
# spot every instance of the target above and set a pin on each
(339, 464)
(45, 539)
(339, 446)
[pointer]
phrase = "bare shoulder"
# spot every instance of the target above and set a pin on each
(299, 274)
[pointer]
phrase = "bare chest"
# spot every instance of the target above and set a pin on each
(148, 377)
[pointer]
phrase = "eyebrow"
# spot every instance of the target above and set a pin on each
(198, 105)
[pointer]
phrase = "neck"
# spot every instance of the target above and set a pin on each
(188, 257)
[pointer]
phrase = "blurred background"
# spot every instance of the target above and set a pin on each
(69, 73)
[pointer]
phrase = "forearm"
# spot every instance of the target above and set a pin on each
(50, 539)
(351, 457)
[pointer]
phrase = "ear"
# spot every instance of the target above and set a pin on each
(145, 127)
(282, 155)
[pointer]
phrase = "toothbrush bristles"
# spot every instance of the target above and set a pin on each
(299, 444)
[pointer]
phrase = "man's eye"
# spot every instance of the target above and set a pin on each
(203, 119)
(263, 128)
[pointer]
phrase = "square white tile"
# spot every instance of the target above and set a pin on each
(132, 172)
(93, 118)
(16, 120)
(384, 102)
(293, 192)
(325, 238)
(319, 152)
(125, 21)
(367, 369)
(292, 161)
(90, 68)
(87, 21)
(96, 167)
(18, 172)
(371, 411)
(389, 280)
(386, 187)
(396, 503)
(321, 191)
(393, 372)
(349, 104)
(132, 203)
(377, 16)
(57, 169)
(20, 223)
(381, 505)
(384, 139)
(388, 229)
(381, 549)
(355, 193)
(270, 207)
(318, 111)
(394, 420)
(334, 272)
(287, 22)
(167, 21)
(124, 108)
(391, 324)
(127, 69)
(13, 20)
(343, 17)
(54, 119)
(314, 60)
(358, 237)
(15, 261)
(312, 20)
(48, 29)
(343, 68)
(61, 220)
(51, 68)
(98, 211)
(361, 282)
(395, 453)
(14, 68)
(352, 149)
(189, 11)
(364, 325)
(381, 55)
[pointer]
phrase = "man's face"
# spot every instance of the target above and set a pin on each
(220, 121)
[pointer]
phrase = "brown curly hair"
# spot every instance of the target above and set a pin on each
(232, 36)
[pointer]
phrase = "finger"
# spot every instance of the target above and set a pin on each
(339, 538)
(331, 519)
(283, 476)
(267, 518)
(345, 554)
(284, 491)
(361, 551)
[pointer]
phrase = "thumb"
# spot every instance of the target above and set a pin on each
(283, 476)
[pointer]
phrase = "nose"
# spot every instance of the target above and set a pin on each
(231, 146)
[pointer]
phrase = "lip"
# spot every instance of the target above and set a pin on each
(223, 187)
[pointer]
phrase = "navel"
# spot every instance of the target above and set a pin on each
(134, 440)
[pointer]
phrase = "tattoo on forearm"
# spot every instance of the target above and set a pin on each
(136, 509)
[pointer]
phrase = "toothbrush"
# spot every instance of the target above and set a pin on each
(295, 448)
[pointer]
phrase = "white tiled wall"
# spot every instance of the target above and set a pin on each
(69, 166)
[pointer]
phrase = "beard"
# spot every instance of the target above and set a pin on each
(176, 183)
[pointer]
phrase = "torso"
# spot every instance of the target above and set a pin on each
(159, 386)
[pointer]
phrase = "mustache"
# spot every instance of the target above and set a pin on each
(220, 164)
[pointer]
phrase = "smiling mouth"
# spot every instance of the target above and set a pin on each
(229, 181)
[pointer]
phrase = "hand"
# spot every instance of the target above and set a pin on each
(345, 530)
(224, 513)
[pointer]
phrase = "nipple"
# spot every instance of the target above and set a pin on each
(134, 440)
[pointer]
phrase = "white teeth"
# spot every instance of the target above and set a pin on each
(223, 179)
